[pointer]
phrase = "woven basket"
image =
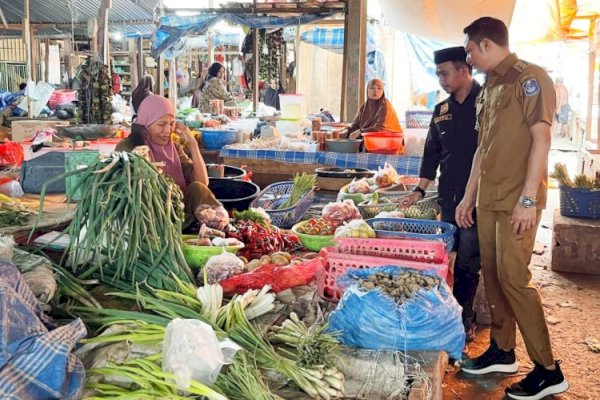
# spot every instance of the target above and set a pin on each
(278, 193)
(579, 203)
(420, 229)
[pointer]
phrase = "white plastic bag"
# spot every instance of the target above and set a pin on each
(223, 266)
(12, 189)
(191, 350)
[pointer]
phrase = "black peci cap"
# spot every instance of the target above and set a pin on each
(450, 54)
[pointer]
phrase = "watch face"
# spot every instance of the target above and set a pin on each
(527, 202)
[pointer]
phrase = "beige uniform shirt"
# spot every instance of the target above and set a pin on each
(516, 96)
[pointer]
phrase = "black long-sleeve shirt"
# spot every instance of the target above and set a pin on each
(450, 145)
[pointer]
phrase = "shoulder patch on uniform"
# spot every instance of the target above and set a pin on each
(444, 108)
(531, 87)
(447, 117)
(520, 65)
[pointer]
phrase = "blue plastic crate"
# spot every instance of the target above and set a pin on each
(579, 203)
(276, 194)
(406, 228)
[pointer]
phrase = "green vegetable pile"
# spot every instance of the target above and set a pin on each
(127, 226)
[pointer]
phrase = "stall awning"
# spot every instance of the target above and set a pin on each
(167, 40)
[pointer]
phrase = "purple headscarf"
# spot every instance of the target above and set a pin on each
(151, 109)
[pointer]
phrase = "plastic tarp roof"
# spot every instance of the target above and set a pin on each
(167, 40)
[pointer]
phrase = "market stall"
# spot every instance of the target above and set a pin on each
(241, 266)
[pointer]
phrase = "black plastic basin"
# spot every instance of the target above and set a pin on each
(234, 194)
(230, 172)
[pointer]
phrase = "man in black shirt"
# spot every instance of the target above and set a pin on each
(450, 145)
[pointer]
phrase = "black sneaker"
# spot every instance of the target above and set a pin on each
(493, 360)
(538, 384)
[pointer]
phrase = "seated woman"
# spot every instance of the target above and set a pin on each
(213, 88)
(153, 127)
(376, 114)
(141, 91)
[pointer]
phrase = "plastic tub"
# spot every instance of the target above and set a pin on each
(197, 256)
(229, 172)
(234, 194)
(215, 139)
(384, 142)
(313, 242)
(291, 105)
(343, 145)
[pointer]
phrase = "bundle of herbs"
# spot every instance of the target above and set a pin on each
(13, 212)
(127, 226)
(581, 181)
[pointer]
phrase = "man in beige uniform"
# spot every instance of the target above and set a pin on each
(508, 182)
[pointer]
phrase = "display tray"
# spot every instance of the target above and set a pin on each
(87, 132)
(337, 172)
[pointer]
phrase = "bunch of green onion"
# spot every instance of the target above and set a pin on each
(127, 226)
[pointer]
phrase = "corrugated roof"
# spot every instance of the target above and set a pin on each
(58, 11)
(125, 16)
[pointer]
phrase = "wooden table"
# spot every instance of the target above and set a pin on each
(57, 214)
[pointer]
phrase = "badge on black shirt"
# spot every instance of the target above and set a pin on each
(444, 108)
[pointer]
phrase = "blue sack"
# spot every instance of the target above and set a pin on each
(430, 320)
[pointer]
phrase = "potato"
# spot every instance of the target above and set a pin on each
(265, 260)
(244, 259)
(253, 265)
(285, 254)
(310, 256)
(279, 259)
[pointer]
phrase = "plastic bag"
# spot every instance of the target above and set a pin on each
(192, 351)
(339, 212)
(359, 186)
(279, 277)
(11, 154)
(12, 189)
(430, 320)
(356, 228)
(386, 176)
(7, 248)
(223, 266)
(215, 217)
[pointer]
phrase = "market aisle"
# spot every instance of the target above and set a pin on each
(571, 303)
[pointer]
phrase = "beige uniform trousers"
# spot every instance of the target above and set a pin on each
(505, 258)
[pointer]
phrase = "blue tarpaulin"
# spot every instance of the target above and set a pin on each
(167, 40)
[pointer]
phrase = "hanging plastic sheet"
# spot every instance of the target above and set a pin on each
(167, 40)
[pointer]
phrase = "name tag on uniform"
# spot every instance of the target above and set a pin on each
(441, 118)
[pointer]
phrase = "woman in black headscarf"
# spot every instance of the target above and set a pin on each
(141, 91)
(271, 98)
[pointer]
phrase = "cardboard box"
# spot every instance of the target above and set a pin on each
(25, 129)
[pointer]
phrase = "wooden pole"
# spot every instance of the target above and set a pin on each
(27, 35)
(103, 45)
(591, 73)
(595, 26)
(256, 61)
(355, 43)
(173, 81)
(46, 60)
(140, 58)
(35, 55)
(160, 79)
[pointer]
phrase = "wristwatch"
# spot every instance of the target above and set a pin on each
(419, 190)
(527, 202)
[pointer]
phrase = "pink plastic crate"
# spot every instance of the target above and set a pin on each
(413, 250)
(61, 96)
(369, 253)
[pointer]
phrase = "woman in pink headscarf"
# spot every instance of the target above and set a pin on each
(153, 127)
